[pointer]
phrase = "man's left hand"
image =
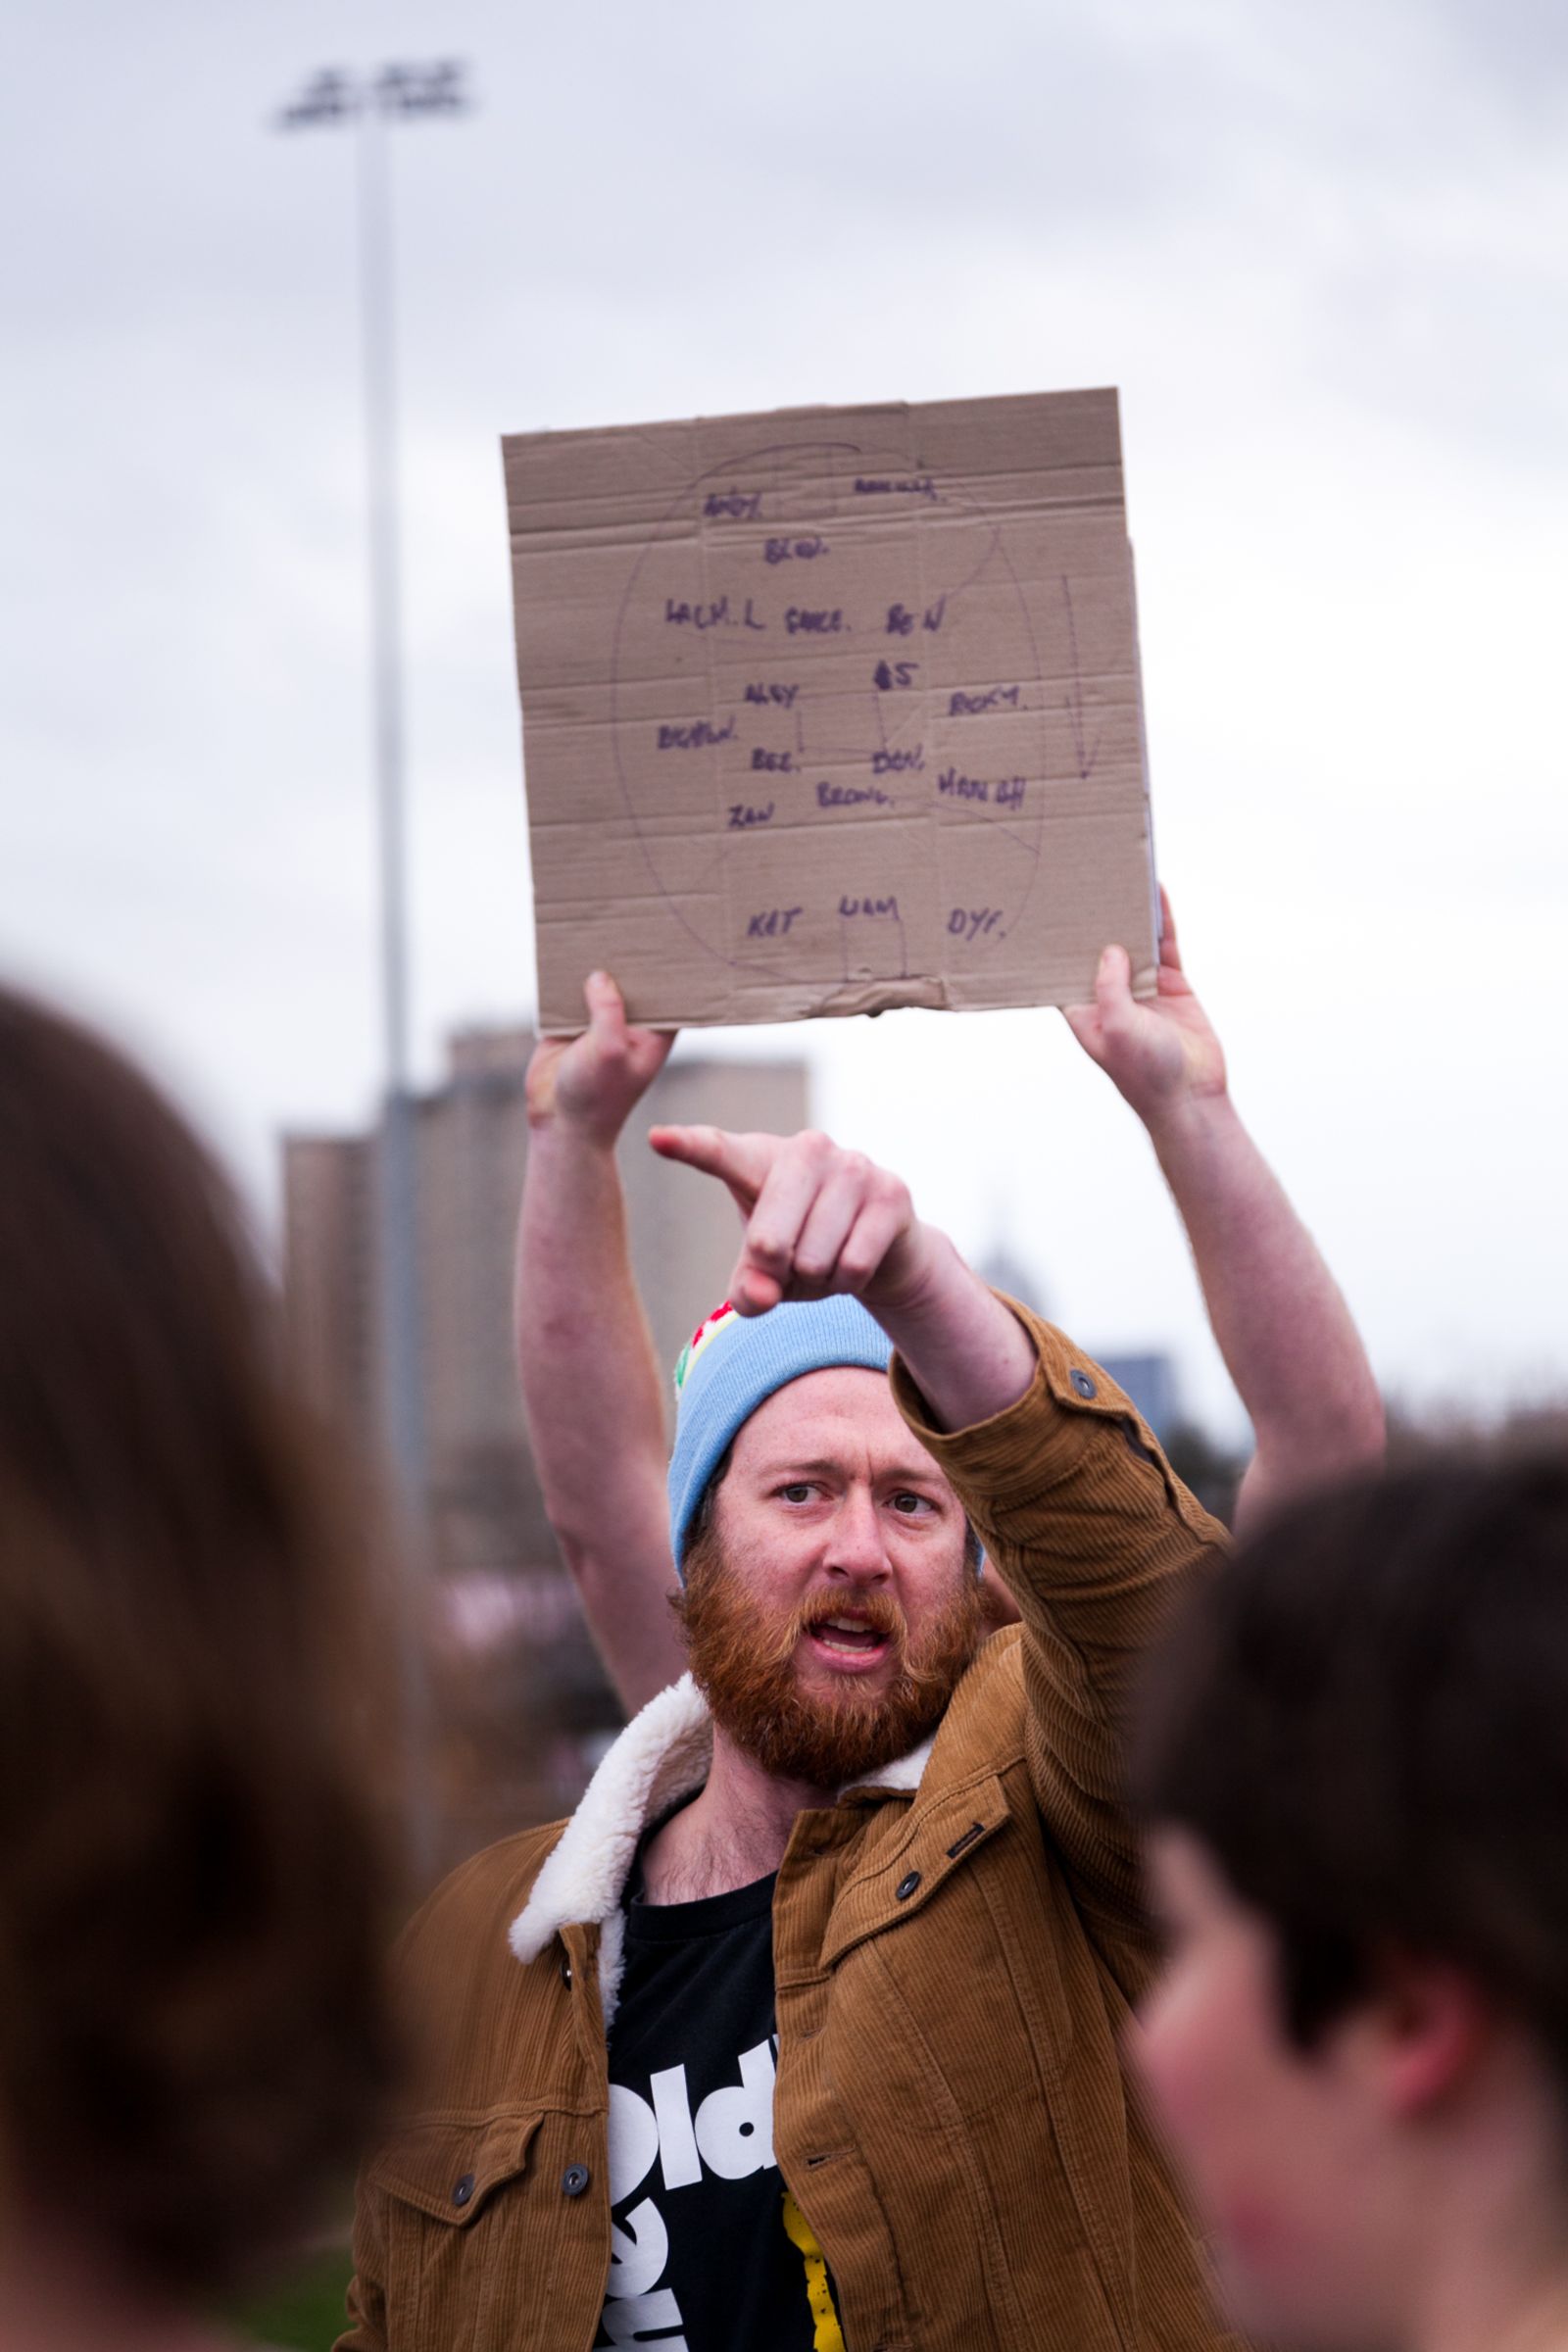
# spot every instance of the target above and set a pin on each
(1161, 1055)
(819, 1220)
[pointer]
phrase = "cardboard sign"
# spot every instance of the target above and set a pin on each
(831, 709)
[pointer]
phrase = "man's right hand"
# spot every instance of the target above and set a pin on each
(821, 1221)
(594, 1082)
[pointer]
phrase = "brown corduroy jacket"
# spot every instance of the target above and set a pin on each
(955, 1945)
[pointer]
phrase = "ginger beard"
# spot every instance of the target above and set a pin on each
(742, 1659)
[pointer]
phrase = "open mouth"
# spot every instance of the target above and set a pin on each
(849, 1642)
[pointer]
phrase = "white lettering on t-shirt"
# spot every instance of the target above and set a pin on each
(633, 2141)
(628, 2322)
(681, 2165)
(639, 2248)
(731, 2133)
(735, 2127)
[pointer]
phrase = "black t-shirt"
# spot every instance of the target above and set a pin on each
(708, 2247)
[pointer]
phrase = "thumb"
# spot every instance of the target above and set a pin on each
(607, 1011)
(1113, 978)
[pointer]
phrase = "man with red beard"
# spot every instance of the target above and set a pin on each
(805, 2030)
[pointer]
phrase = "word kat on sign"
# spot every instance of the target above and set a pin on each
(913, 627)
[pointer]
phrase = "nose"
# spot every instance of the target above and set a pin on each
(857, 1550)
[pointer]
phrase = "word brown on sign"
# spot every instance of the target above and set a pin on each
(831, 709)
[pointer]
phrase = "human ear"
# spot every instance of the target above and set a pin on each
(1431, 2023)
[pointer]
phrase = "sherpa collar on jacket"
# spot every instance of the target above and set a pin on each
(663, 1756)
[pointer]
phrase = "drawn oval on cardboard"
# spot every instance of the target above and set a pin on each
(831, 711)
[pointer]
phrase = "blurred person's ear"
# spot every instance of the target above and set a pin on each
(1420, 2033)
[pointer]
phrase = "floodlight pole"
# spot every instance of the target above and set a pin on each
(400, 1260)
(372, 104)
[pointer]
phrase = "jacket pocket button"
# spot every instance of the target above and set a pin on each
(907, 1885)
(565, 1969)
(574, 2180)
(464, 2189)
(1081, 1380)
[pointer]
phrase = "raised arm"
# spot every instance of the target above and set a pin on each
(1066, 1490)
(591, 1383)
(1281, 1322)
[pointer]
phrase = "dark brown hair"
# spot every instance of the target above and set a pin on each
(1364, 1718)
(194, 1875)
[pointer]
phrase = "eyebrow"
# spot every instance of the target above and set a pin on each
(909, 1474)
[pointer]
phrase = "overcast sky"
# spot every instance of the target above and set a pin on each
(1324, 255)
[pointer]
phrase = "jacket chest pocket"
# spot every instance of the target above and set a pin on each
(946, 1961)
(450, 2251)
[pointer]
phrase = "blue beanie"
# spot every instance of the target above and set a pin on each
(734, 1364)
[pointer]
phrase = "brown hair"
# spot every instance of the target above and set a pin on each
(1362, 1718)
(194, 1876)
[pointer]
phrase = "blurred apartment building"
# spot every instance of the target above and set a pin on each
(501, 1589)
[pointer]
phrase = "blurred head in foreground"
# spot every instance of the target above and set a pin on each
(194, 2034)
(1355, 1762)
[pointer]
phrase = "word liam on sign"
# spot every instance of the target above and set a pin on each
(831, 709)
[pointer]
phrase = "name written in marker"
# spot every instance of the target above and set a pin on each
(917, 485)
(901, 623)
(714, 615)
(743, 505)
(971, 923)
(954, 785)
(853, 796)
(849, 908)
(786, 550)
(698, 737)
(742, 815)
(993, 697)
(898, 763)
(773, 923)
(829, 624)
(776, 764)
(782, 696)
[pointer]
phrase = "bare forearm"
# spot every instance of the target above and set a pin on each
(967, 1354)
(1282, 1324)
(593, 1399)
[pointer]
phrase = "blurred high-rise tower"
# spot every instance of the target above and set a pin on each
(496, 1571)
